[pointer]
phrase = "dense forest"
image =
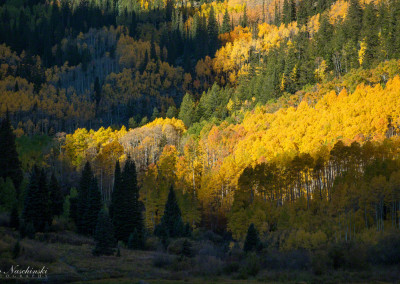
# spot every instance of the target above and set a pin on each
(221, 139)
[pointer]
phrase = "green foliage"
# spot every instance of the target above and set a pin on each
(252, 241)
(10, 165)
(88, 202)
(56, 197)
(125, 205)
(187, 109)
(104, 235)
(171, 225)
(8, 194)
(37, 204)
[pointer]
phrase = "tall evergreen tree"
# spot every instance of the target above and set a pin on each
(116, 188)
(226, 23)
(171, 225)
(127, 214)
(187, 110)
(212, 29)
(94, 207)
(354, 20)
(10, 165)
(83, 198)
(36, 207)
(56, 197)
(252, 241)
(104, 235)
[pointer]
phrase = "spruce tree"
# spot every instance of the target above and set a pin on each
(94, 207)
(212, 29)
(104, 235)
(126, 207)
(10, 165)
(354, 19)
(14, 217)
(252, 241)
(44, 212)
(171, 225)
(226, 25)
(56, 197)
(116, 188)
(82, 203)
(187, 110)
(36, 207)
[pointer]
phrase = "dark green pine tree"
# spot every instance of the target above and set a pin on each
(36, 207)
(83, 199)
(187, 110)
(44, 212)
(10, 165)
(171, 225)
(244, 20)
(133, 25)
(56, 197)
(212, 30)
(370, 34)
(116, 188)
(252, 241)
(104, 235)
(153, 54)
(354, 20)
(226, 23)
(94, 206)
(302, 13)
(127, 215)
(14, 217)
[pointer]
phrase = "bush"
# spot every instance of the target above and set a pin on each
(320, 262)
(176, 246)
(231, 267)
(153, 244)
(348, 256)
(38, 252)
(207, 265)
(250, 266)
(387, 250)
(161, 260)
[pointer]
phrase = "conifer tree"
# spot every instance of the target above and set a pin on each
(14, 217)
(127, 215)
(226, 25)
(36, 206)
(116, 188)
(212, 29)
(187, 110)
(10, 165)
(353, 22)
(104, 235)
(94, 206)
(56, 197)
(171, 225)
(252, 241)
(88, 203)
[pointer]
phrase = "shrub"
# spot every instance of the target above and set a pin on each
(207, 265)
(250, 267)
(38, 252)
(231, 267)
(176, 246)
(161, 260)
(320, 262)
(387, 250)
